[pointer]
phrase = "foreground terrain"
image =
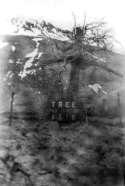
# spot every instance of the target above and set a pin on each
(38, 154)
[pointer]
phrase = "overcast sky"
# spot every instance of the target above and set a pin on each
(59, 12)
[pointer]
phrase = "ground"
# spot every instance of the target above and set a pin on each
(45, 154)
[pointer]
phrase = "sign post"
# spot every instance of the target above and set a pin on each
(11, 108)
(64, 111)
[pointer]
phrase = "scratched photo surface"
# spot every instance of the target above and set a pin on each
(62, 93)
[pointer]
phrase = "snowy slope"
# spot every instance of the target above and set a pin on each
(30, 27)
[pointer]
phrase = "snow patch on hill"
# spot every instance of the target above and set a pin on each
(37, 41)
(3, 44)
(28, 63)
(13, 48)
(97, 88)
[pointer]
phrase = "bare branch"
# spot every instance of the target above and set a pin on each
(74, 19)
(89, 60)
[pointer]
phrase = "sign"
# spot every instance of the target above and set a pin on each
(64, 111)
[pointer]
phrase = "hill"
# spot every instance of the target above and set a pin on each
(35, 63)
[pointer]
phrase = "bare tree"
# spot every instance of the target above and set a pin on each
(86, 42)
(87, 39)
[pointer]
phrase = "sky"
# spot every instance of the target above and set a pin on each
(60, 12)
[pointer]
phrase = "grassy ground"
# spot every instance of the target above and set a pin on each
(46, 154)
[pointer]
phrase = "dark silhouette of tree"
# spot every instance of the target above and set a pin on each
(87, 40)
(90, 46)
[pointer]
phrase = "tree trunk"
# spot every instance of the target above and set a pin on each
(72, 91)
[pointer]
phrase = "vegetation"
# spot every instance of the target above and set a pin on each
(39, 152)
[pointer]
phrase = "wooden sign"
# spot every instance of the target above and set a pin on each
(64, 111)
